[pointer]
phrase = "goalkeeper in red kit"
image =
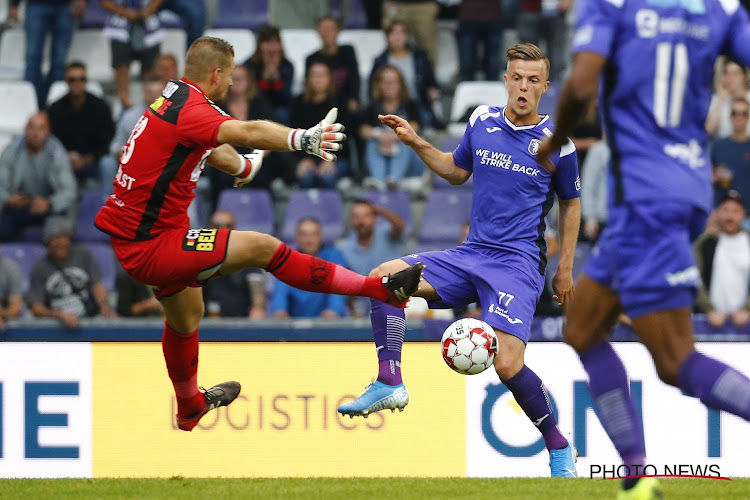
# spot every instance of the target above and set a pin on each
(146, 216)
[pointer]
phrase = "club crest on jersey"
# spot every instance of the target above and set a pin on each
(534, 146)
(200, 240)
(489, 115)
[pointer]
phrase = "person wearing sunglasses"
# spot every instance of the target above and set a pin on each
(730, 156)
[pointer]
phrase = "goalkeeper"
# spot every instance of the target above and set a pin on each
(146, 216)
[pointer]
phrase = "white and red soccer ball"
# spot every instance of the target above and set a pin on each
(469, 346)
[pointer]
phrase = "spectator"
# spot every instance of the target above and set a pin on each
(297, 14)
(136, 34)
(308, 109)
(11, 298)
(730, 156)
(371, 243)
(56, 18)
(244, 101)
(166, 68)
(36, 179)
(733, 85)
(480, 23)
(193, 15)
(594, 190)
(152, 87)
(134, 299)
(66, 283)
(723, 261)
(545, 19)
(273, 71)
(290, 302)
(387, 160)
(420, 18)
(341, 59)
(240, 294)
(83, 123)
(587, 133)
(416, 71)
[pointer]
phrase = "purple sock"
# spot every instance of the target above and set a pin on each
(717, 385)
(388, 328)
(608, 385)
(531, 395)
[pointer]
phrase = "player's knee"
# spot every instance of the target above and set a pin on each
(507, 366)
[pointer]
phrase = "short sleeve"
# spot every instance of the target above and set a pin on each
(198, 124)
(567, 180)
(738, 35)
(596, 26)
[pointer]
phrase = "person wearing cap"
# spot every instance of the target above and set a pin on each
(723, 260)
(66, 283)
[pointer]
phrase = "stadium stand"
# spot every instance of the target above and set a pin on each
(25, 255)
(321, 204)
(446, 69)
(252, 208)
(396, 201)
(17, 104)
(91, 201)
(368, 44)
(241, 14)
(105, 257)
(445, 213)
(293, 42)
(472, 94)
(242, 40)
(12, 54)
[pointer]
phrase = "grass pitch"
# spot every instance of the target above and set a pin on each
(351, 488)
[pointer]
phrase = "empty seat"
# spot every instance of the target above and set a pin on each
(59, 89)
(252, 208)
(242, 40)
(174, 43)
(395, 201)
(13, 54)
(25, 255)
(93, 49)
(17, 104)
(241, 14)
(321, 204)
(368, 44)
(446, 69)
(469, 95)
(445, 213)
(105, 258)
(91, 201)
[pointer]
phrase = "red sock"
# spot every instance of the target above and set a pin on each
(312, 274)
(181, 355)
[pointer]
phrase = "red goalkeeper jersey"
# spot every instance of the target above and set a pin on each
(161, 163)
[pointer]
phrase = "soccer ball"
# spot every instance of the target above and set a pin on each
(469, 346)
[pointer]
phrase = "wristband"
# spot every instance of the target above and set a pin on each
(246, 166)
(294, 139)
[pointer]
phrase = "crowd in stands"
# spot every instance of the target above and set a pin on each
(375, 203)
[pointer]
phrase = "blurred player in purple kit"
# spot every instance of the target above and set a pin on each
(502, 263)
(656, 60)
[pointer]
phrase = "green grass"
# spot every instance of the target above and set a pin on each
(334, 488)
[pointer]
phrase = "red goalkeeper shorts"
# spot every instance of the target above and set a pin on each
(174, 259)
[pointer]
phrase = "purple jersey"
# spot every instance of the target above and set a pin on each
(512, 192)
(656, 89)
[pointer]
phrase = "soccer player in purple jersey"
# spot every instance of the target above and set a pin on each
(502, 263)
(656, 61)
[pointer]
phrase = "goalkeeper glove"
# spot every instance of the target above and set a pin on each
(249, 166)
(319, 140)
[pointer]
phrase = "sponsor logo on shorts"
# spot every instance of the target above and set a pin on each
(689, 276)
(200, 240)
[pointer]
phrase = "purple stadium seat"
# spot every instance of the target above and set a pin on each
(445, 213)
(321, 204)
(25, 255)
(105, 257)
(241, 14)
(91, 201)
(252, 208)
(396, 201)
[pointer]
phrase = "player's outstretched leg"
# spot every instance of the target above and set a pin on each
(531, 395)
(313, 274)
(388, 391)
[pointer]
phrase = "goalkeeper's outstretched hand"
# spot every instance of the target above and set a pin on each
(321, 139)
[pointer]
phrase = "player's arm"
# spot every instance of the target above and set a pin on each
(440, 162)
(568, 227)
(319, 140)
(577, 93)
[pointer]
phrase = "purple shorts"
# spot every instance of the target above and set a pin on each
(507, 285)
(645, 255)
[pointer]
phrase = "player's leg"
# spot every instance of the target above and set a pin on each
(183, 312)
(388, 329)
(668, 335)
(310, 273)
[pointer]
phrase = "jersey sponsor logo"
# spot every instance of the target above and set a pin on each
(578, 183)
(690, 154)
(692, 6)
(493, 129)
(649, 24)
(124, 179)
(584, 36)
(534, 146)
(160, 105)
(169, 89)
(200, 240)
(504, 161)
(489, 115)
(689, 276)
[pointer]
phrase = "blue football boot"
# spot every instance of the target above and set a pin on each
(562, 463)
(378, 396)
